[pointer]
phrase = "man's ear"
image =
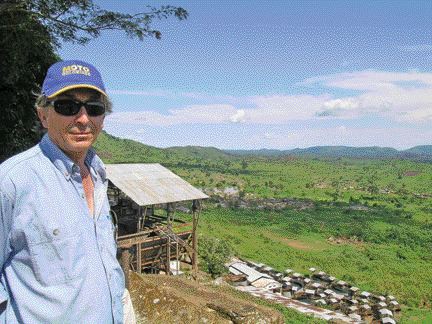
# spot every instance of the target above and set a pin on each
(43, 116)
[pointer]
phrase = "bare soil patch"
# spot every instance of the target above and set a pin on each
(411, 173)
(173, 299)
(297, 244)
(345, 240)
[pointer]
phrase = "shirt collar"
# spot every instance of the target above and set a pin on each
(64, 164)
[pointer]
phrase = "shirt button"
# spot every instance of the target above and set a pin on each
(56, 231)
(82, 196)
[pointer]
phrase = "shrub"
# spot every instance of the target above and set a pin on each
(214, 253)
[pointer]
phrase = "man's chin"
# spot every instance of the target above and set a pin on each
(80, 143)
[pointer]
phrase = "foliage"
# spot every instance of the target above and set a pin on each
(81, 20)
(300, 239)
(214, 253)
(369, 224)
(26, 52)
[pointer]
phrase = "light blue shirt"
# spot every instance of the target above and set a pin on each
(58, 263)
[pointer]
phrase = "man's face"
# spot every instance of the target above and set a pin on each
(73, 134)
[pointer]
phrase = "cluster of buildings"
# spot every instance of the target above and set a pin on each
(318, 289)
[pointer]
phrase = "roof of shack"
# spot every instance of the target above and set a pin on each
(150, 184)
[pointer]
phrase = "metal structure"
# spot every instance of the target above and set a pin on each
(144, 199)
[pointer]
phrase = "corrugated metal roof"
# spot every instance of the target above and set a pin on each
(252, 274)
(266, 283)
(150, 184)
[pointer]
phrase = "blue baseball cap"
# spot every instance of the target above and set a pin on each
(72, 74)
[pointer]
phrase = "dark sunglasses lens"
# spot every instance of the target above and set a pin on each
(95, 108)
(66, 107)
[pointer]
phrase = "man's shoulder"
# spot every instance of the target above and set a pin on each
(13, 167)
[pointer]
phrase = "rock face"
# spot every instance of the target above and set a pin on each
(168, 299)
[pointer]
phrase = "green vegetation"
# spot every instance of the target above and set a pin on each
(367, 222)
(214, 253)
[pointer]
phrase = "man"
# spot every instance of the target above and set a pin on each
(57, 249)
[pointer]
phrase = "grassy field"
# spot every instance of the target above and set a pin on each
(299, 240)
(378, 210)
(386, 247)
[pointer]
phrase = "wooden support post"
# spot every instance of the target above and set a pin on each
(195, 212)
(143, 218)
(125, 259)
(168, 256)
(138, 246)
(138, 253)
(139, 219)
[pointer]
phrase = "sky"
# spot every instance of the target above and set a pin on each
(271, 74)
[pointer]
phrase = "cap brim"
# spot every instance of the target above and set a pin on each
(77, 86)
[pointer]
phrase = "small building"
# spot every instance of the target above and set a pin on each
(320, 302)
(266, 283)
(355, 317)
(365, 310)
(329, 292)
(394, 305)
(385, 313)
(143, 199)
(251, 274)
(353, 291)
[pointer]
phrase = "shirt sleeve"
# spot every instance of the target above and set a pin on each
(6, 207)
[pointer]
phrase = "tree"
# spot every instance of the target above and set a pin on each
(26, 52)
(214, 253)
(30, 33)
(244, 164)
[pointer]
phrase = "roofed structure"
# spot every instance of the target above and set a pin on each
(151, 184)
(148, 237)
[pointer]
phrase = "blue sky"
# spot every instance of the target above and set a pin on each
(271, 74)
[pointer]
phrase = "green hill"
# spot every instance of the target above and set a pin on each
(117, 150)
(423, 153)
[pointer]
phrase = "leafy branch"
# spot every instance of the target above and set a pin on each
(79, 21)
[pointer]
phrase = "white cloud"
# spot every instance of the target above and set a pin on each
(194, 114)
(238, 117)
(346, 103)
(280, 109)
(395, 96)
(400, 96)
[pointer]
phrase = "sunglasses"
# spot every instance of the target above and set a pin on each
(69, 107)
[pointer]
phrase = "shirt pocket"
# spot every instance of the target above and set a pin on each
(58, 261)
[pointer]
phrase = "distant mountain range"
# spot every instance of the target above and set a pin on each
(423, 152)
(117, 150)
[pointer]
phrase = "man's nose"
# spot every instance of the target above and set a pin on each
(82, 116)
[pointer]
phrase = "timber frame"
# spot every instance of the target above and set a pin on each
(149, 238)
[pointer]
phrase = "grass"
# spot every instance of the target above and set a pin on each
(299, 240)
(386, 248)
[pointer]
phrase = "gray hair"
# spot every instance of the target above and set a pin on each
(43, 102)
